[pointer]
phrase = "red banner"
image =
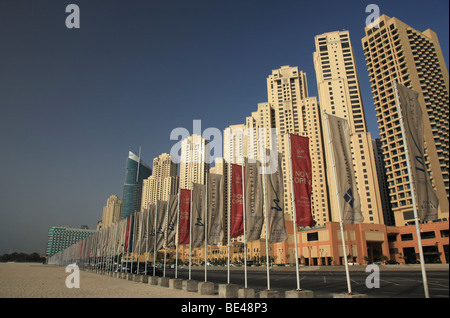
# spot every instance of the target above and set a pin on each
(236, 202)
(184, 217)
(302, 179)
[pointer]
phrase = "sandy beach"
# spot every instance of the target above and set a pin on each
(34, 280)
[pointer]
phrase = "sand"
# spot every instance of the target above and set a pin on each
(34, 280)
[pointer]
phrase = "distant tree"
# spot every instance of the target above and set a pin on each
(21, 257)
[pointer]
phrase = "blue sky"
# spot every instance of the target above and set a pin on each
(74, 101)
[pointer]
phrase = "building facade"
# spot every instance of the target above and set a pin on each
(162, 183)
(111, 211)
(339, 95)
(194, 161)
(61, 237)
(388, 215)
(365, 243)
(136, 172)
(397, 52)
(235, 147)
(291, 111)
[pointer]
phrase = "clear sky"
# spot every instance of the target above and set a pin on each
(74, 101)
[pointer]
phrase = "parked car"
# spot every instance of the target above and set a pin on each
(158, 272)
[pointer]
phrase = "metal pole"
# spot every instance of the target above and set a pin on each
(132, 245)
(139, 164)
(176, 242)
(190, 232)
(146, 239)
(128, 229)
(228, 221)
(344, 248)
(154, 244)
(294, 215)
(244, 218)
(165, 237)
(140, 241)
(267, 236)
(413, 196)
(206, 227)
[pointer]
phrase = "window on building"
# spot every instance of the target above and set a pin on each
(407, 237)
(313, 236)
(427, 235)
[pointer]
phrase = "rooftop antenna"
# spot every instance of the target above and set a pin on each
(139, 163)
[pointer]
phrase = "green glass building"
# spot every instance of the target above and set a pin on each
(60, 238)
(136, 172)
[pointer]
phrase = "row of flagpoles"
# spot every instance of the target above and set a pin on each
(194, 216)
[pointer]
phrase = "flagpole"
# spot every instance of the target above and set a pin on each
(267, 236)
(132, 245)
(154, 244)
(128, 241)
(190, 232)
(139, 163)
(177, 238)
(119, 264)
(108, 249)
(97, 249)
(146, 239)
(206, 226)
(115, 247)
(123, 244)
(244, 218)
(140, 242)
(100, 258)
(119, 244)
(111, 247)
(104, 250)
(294, 215)
(165, 236)
(344, 248)
(137, 243)
(228, 221)
(413, 195)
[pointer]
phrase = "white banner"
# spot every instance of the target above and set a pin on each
(427, 201)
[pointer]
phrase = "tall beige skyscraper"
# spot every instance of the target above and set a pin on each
(397, 52)
(294, 112)
(290, 110)
(235, 144)
(339, 95)
(259, 125)
(162, 183)
(111, 212)
(388, 215)
(194, 161)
